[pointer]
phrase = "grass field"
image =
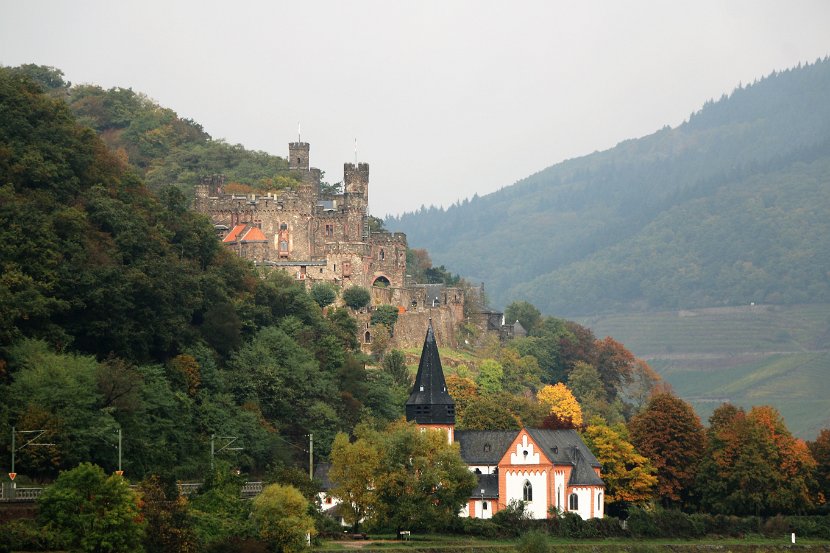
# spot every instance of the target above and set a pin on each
(752, 355)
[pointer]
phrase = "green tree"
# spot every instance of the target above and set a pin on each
(669, 433)
(280, 514)
(385, 315)
(524, 312)
(356, 297)
(490, 377)
(166, 514)
(323, 293)
(422, 482)
(394, 363)
(92, 511)
(820, 450)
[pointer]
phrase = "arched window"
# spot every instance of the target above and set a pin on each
(573, 502)
(367, 338)
(527, 491)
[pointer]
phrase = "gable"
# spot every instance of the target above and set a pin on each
(524, 450)
(484, 447)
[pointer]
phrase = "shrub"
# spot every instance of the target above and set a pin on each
(356, 297)
(386, 315)
(534, 542)
(27, 535)
(323, 293)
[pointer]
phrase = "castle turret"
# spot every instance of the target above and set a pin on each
(298, 155)
(430, 404)
(356, 198)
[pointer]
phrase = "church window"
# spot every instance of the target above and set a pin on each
(484, 506)
(477, 471)
(573, 502)
(527, 491)
(558, 498)
(599, 499)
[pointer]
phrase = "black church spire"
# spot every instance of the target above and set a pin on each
(429, 402)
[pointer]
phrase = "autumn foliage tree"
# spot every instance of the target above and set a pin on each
(669, 433)
(561, 403)
(753, 465)
(629, 476)
(820, 449)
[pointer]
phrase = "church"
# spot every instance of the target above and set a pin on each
(545, 469)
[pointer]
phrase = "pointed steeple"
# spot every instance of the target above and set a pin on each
(430, 402)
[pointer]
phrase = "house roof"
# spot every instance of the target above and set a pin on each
(583, 474)
(489, 483)
(234, 233)
(558, 446)
(254, 234)
(430, 402)
(474, 445)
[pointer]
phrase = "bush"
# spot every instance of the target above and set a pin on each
(27, 535)
(323, 293)
(513, 519)
(386, 315)
(641, 524)
(534, 542)
(356, 297)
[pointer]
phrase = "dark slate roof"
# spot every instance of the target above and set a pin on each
(429, 402)
(518, 329)
(558, 446)
(321, 473)
(473, 444)
(489, 483)
(583, 474)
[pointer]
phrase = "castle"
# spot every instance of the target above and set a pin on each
(319, 238)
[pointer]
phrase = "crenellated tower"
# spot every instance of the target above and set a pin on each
(298, 156)
(356, 198)
(430, 404)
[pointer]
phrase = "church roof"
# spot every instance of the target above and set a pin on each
(484, 447)
(429, 402)
(489, 483)
(559, 446)
(583, 474)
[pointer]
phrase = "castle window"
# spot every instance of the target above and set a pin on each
(527, 491)
(367, 338)
(381, 255)
(283, 245)
(283, 227)
(573, 502)
(329, 231)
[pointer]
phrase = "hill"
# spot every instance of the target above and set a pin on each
(748, 355)
(729, 208)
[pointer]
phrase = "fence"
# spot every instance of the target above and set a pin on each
(249, 490)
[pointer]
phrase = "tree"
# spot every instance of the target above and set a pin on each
(486, 413)
(166, 514)
(615, 365)
(323, 293)
(753, 465)
(354, 468)
(356, 297)
(422, 482)
(385, 315)
(820, 449)
(524, 312)
(394, 363)
(490, 377)
(280, 514)
(92, 511)
(670, 434)
(561, 402)
(629, 477)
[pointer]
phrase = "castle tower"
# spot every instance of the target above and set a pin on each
(298, 155)
(356, 198)
(430, 404)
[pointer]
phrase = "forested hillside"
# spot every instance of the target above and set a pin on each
(120, 309)
(729, 208)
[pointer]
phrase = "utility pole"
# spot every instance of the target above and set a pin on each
(212, 438)
(310, 456)
(119, 472)
(33, 441)
(214, 451)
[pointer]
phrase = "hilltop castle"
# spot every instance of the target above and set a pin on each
(319, 238)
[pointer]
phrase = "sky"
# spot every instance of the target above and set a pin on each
(445, 99)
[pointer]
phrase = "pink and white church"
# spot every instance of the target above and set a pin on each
(545, 469)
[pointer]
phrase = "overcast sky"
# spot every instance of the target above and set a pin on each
(446, 99)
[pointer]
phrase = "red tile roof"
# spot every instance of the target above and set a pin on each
(254, 235)
(234, 233)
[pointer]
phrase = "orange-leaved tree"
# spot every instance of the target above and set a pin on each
(561, 402)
